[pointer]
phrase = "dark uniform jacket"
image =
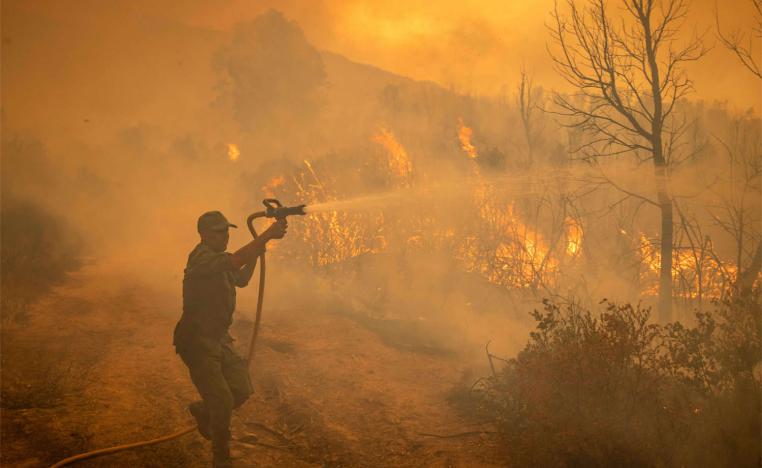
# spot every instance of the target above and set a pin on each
(208, 299)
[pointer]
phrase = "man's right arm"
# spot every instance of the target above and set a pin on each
(249, 252)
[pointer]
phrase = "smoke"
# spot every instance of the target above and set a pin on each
(270, 71)
(129, 140)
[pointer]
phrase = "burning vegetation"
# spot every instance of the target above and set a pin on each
(233, 152)
(464, 135)
(495, 240)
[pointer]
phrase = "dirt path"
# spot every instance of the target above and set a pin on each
(94, 367)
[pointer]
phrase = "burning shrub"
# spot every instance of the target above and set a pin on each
(37, 252)
(613, 388)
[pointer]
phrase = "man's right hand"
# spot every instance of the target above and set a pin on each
(277, 229)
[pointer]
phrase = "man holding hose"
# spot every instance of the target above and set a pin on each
(201, 336)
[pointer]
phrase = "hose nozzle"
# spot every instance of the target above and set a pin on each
(274, 209)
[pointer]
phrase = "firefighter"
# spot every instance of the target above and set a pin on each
(201, 336)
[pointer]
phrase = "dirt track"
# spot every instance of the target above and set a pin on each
(94, 367)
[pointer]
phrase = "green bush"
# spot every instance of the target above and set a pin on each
(614, 389)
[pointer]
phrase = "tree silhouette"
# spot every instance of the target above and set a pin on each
(629, 79)
(273, 74)
(737, 41)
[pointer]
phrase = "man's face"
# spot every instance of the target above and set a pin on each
(217, 239)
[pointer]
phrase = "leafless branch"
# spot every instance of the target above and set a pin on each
(741, 43)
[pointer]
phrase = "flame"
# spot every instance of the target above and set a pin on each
(649, 254)
(464, 135)
(269, 188)
(530, 257)
(330, 237)
(502, 242)
(521, 258)
(573, 237)
(399, 162)
(693, 274)
(233, 152)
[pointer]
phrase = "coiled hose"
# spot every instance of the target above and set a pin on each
(189, 429)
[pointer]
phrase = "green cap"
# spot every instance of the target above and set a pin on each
(214, 221)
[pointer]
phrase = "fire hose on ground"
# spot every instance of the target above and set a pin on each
(273, 209)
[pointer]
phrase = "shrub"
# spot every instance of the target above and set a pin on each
(615, 389)
(37, 252)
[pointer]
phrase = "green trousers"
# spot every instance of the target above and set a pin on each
(222, 379)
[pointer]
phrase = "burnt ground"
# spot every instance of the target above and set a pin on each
(93, 367)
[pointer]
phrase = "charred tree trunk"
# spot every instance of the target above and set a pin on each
(662, 184)
(526, 108)
(667, 230)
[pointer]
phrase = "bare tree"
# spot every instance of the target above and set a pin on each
(742, 44)
(527, 97)
(736, 41)
(735, 206)
(629, 77)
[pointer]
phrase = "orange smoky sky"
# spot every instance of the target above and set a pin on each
(88, 57)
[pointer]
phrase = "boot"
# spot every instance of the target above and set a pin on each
(221, 453)
(201, 415)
